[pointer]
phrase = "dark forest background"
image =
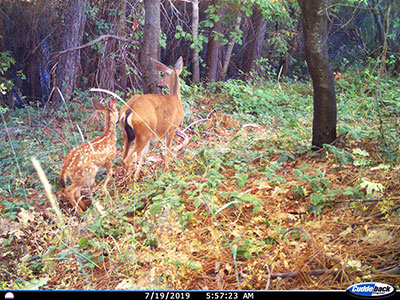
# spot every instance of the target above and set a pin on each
(217, 39)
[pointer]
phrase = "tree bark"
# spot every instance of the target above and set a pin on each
(106, 74)
(68, 65)
(378, 21)
(150, 46)
(214, 47)
(294, 46)
(2, 46)
(229, 50)
(195, 54)
(315, 31)
(256, 42)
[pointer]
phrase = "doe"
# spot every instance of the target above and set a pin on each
(148, 116)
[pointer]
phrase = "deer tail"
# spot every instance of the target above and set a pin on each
(130, 133)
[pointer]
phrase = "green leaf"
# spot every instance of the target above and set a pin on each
(372, 186)
(297, 172)
(360, 152)
(155, 208)
(84, 243)
(194, 265)
(316, 198)
(35, 284)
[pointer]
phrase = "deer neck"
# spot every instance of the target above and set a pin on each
(109, 127)
(176, 88)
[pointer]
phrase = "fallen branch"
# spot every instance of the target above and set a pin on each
(384, 213)
(106, 36)
(297, 273)
(201, 120)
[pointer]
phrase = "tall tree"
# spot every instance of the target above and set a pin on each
(107, 70)
(315, 31)
(195, 53)
(229, 50)
(68, 65)
(149, 47)
(214, 43)
(255, 40)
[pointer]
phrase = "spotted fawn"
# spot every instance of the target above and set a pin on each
(83, 162)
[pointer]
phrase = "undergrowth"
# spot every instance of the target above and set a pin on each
(247, 176)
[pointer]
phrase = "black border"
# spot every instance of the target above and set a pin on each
(179, 294)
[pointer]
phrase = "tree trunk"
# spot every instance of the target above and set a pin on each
(195, 54)
(69, 62)
(149, 46)
(294, 46)
(314, 20)
(106, 74)
(2, 46)
(378, 21)
(256, 41)
(214, 47)
(231, 44)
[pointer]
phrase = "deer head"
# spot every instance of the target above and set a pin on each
(169, 77)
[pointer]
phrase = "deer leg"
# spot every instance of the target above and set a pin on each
(142, 153)
(168, 140)
(126, 143)
(126, 161)
(109, 173)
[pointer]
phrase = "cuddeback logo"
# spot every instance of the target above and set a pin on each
(371, 290)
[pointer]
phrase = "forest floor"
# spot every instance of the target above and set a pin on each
(245, 206)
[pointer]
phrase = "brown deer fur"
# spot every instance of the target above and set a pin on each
(83, 162)
(148, 116)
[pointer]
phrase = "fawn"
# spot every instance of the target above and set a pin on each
(83, 162)
(147, 116)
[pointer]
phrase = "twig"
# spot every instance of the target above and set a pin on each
(339, 137)
(384, 213)
(269, 277)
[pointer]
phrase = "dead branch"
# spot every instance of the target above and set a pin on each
(201, 120)
(384, 213)
(105, 36)
(297, 273)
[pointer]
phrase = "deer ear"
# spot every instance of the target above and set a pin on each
(112, 103)
(160, 67)
(179, 65)
(97, 104)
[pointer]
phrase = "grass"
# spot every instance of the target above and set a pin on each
(246, 206)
